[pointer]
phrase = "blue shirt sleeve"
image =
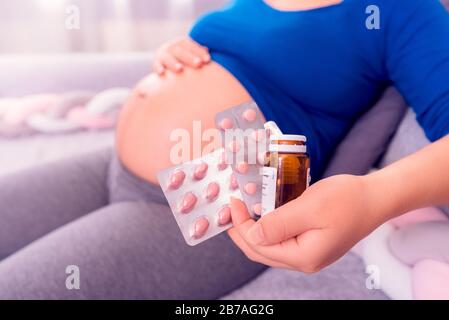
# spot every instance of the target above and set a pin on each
(417, 60)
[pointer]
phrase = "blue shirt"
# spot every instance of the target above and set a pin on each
(316, 72)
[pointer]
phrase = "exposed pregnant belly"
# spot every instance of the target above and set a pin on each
(169, 103)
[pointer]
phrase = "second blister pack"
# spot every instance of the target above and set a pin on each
(245, 143)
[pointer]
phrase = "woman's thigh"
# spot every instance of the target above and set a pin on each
(129, 250)
(36, 201)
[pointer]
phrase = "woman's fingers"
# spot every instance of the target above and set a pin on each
(197, 50)
(158, 67)
(242, 222)
(251, 254)
(186, 57)
(312, 231)
(284, 223)
(286, 252)
(272, 253)
(241, 219)
(178, 54)
(306, 252)
(170, 62)
(239, 212)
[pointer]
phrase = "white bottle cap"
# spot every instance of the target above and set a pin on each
(273, 127)
(289, 137)
(288, 148)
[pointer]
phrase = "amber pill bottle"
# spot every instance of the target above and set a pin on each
(286, 174)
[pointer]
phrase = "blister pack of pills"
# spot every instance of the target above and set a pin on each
(199, 193)
(245, 144)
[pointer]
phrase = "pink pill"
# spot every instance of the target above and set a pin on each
(199, 228)
(212, 191)
(176, 179)
(234, 146)
(188, 203)
(224, 216)
(250, 115)
(242, 168)
(262, 158)
(233, 184)
(251, 188)
(200, 171)
(222, 163)
(258, 135)
(257, 208)
(226, 123)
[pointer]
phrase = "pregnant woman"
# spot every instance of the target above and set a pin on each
(314, 67)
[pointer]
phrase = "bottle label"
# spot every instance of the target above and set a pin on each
(309, 178)
(269, 179)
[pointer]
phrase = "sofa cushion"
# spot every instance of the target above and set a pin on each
(370, 136)
(345, 279)
(63, 73)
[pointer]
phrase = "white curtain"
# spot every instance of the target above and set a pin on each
(40, 26)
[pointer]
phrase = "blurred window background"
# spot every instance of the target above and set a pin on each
(40, 26)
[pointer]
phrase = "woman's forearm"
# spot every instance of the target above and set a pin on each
(419, 180)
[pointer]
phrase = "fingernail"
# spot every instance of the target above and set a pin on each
(233, 200)
(255, 234)
(197, 61)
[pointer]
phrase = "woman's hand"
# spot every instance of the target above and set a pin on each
(317, 228)
(312, 231)
(176, 55)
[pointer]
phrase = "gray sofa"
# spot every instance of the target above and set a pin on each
(32, 75)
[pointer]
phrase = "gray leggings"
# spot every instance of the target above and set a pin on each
(117, 229)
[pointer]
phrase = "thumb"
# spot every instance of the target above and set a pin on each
(239, 212)
(288, 221)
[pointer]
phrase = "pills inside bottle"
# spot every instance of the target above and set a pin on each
(286, 174)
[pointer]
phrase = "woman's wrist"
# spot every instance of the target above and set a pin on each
(394, 190)
(382, 198)
(416, 181)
